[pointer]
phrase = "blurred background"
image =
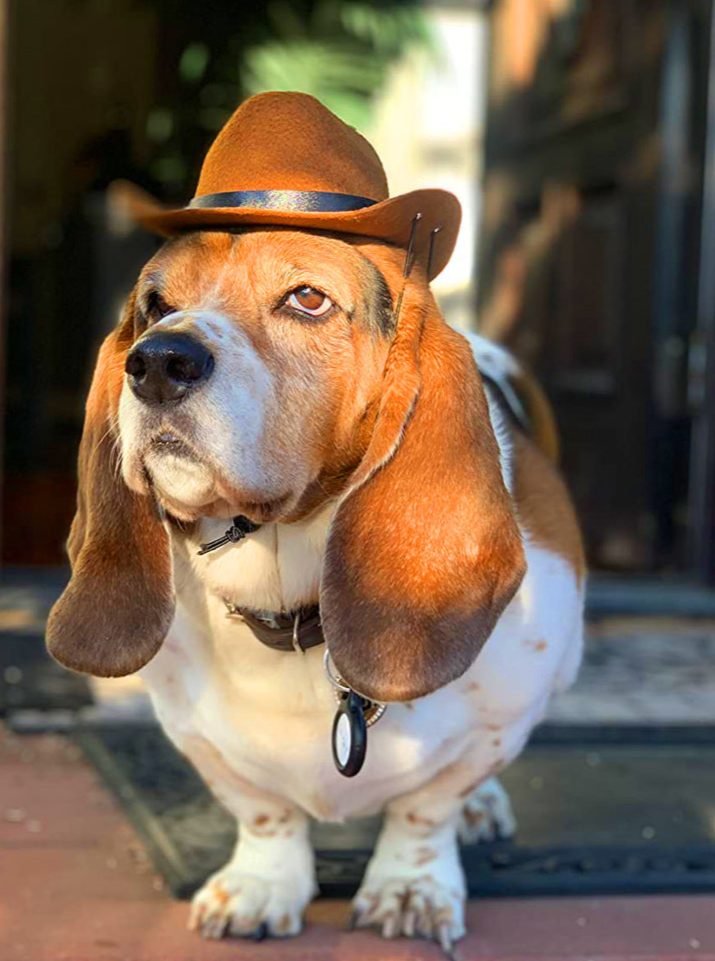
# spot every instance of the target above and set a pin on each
(579, 136)
(576, 133)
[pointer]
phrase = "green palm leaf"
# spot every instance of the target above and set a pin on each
(341, 54)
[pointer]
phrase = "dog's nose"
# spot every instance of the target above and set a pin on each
(165, 366)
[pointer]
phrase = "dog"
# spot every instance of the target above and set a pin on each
(289, 368)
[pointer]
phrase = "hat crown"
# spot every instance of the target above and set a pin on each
(290, 141)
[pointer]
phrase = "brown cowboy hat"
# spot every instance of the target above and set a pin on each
(284, 159)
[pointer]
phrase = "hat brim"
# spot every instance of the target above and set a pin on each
(389, 220)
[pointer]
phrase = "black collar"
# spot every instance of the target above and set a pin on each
(297, 631)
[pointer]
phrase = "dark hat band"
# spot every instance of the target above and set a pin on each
(307, 201)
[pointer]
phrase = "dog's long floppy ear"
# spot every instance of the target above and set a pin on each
(424, 552)
(118, 606)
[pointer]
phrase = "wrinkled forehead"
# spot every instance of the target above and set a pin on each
(210, 269)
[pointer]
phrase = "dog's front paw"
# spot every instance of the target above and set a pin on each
(414, 886)
(422, 906)
(239, 904)
(487, 814)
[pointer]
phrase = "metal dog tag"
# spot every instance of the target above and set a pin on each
(349, 734)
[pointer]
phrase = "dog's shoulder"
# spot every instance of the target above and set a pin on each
(525, 428)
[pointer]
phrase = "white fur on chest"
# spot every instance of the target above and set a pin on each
(277, 568)
(269, 714)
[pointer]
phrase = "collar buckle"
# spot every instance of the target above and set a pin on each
(297, 646)
(232, 610)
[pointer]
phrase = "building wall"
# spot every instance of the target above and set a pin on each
(428, 128)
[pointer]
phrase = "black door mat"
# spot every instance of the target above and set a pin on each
(611, 817)
(31, 680)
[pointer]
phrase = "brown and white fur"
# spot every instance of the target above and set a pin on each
(439, 540)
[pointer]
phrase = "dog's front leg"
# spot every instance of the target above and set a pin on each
(414, 883)
(269, 881)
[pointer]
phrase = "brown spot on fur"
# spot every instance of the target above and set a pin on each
(544, 506)
(322, 806)
(260, 820)
(424, 855)
(220, 893)
(540, 645)
(285, 817)
(444, 916)
(413, 818)
(496, 742)
(470, 790)
(474, 686)
(282, 924)
(473, 817)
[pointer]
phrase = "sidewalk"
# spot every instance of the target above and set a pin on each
(75, 885)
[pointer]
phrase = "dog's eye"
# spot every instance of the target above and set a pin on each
(309, 301)
(157, 307)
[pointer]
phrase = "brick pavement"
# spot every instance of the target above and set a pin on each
(75, 885)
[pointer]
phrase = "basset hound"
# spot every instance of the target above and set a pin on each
(266, 374)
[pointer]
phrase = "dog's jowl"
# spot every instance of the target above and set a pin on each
(370, 498)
